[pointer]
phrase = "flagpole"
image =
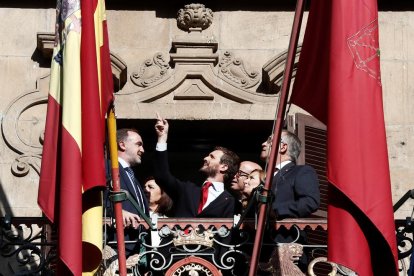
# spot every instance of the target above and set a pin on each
(293, 43)
(116, 187)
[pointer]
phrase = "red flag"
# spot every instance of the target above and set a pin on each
(338, 81)
(73, 171)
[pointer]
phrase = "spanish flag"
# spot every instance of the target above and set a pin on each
(72, 174)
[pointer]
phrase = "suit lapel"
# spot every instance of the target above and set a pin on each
(282, 172)
(286, 169)
(126, 181)
(222, 197)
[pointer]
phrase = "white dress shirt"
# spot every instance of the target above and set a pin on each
(213, 192)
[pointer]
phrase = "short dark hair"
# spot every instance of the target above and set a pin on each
(232, 161)
(122, 133)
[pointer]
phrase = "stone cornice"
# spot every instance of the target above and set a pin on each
(45, 44)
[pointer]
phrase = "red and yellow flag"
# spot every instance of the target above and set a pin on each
(339, 82)
(73, 168)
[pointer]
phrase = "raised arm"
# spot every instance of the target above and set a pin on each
(161, 128)
(162, 172)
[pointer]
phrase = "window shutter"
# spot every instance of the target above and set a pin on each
(312, 133)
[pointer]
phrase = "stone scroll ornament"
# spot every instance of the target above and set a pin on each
(194, 17)
(151, 71)
(23, 132)
(233, 69)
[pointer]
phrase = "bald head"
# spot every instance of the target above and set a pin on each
(249, 166)
(246, 167)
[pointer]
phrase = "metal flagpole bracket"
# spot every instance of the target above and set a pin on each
(122, 195)
(257, 197)
(262, 198)
(118, 196)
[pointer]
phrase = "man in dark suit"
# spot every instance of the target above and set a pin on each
(295, 188)
(130, 151)
(219, 166)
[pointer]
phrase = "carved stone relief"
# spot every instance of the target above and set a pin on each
(193, 89)
(282, 260)
(45, 44)
(194, 16)
(151, 71)
(195, 71)
(16, 139)
(19, 132)
(234, 70)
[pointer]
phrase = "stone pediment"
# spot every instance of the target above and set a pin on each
(194, 63)
(193, 73)
(193, 90)
(195, 77)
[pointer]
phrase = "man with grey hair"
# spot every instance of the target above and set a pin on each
(295, 187)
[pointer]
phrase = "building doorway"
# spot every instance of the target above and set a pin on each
(191, 140)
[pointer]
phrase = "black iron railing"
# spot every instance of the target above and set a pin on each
(28, 245)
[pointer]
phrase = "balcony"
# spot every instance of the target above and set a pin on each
(188, 246)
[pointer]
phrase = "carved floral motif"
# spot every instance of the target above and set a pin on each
(194, 16)
(234, 70)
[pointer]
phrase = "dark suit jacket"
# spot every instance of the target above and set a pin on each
(186, 195)
(296, 191)
(127, 185)
(130, 233)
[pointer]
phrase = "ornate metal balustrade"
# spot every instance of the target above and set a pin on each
(28, 245)
(188, 247)
(214, 247)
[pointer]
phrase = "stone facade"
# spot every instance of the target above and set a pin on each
(225, 67)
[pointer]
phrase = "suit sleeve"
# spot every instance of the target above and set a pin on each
(163, 176)
(306, 195)
(230, 208)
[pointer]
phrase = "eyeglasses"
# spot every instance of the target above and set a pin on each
(241, 173)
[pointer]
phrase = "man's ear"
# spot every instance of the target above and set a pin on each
(283, 148)
(223, 168)
(121, 146)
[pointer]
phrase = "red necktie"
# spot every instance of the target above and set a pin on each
(203, 196)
